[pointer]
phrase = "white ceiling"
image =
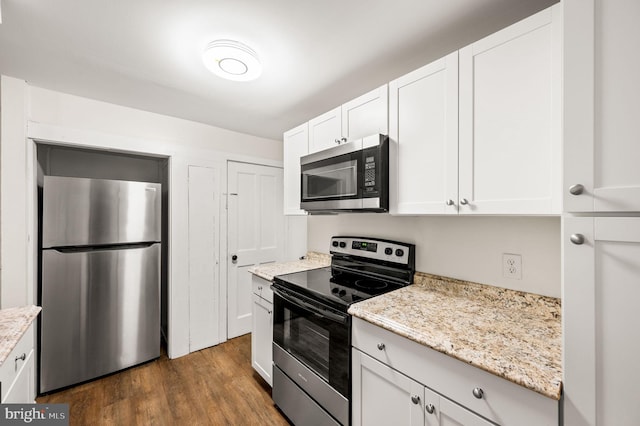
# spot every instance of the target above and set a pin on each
(318, 54)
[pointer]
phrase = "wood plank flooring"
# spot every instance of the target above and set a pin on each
(214, 386)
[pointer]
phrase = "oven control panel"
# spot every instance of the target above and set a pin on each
(374, 248)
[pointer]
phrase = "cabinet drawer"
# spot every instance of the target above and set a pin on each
(502, 401)
(12, 368)
(262, 288)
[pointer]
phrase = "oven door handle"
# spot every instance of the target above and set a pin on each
(325, 313)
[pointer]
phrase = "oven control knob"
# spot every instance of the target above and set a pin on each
(334, 290)
(343, 244)
(334, 243)
(388, 251)
(399, 252)
(342, 293)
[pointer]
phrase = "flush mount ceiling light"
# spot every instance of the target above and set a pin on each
(232, 60)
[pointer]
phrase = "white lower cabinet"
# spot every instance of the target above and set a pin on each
(262, 328)
(383, 396)
(400, 382)
(17, 374)
(600, 316)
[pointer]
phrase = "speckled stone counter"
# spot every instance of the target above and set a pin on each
(312, 260)
(14, 322)
(514, 335)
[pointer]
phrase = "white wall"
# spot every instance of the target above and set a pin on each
(467, 248)
(59, 109)
(31, 113)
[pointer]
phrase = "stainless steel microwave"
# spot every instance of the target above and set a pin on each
(347, 178)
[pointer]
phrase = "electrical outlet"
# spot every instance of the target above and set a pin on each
(512, 266)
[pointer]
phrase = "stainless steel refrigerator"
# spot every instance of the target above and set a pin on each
(100, 278)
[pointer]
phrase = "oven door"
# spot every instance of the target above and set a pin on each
(315, 335)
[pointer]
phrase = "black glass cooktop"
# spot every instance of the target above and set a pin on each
(339, 289)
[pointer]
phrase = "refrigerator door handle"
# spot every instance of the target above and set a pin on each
(82, 249)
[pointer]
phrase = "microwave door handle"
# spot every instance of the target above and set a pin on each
(342, 319)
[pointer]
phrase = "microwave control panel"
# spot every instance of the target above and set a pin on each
(369, 173)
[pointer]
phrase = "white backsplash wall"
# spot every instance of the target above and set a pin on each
(467, 248)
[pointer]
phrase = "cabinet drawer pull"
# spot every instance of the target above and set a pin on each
(577, 239)
(576, 189)
(478, 393)
(415, 399)
(450, 202)
(20, 358)
(430, 408)
(464, 201)
(381, 346)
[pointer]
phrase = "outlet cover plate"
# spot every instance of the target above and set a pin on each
(512, 266)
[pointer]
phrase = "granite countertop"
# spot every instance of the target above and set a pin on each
(312, 260)
(514, 335)
(14, 322)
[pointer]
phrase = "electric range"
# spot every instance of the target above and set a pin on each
(312, 330)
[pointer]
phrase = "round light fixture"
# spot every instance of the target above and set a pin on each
(232, 60)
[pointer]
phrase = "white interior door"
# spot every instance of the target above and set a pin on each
(255, 234)
(204, 281)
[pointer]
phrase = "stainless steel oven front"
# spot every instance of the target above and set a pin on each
(349, 177)
(311, 344)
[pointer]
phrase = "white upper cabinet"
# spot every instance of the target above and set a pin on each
(478, 131)
(510, 119)
(366, 115)
(423, 132)
(295, 145)
(325, 131)
(601, 104)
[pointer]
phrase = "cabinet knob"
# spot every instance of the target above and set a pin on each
(343, 140)
(381, 346)
(337, 141)
(430, 408)
(577, 239)
(464, 201)
(450, 202)
(260, 287)
(576, 189)
(234, 258)
(415, 399)
(478, 393)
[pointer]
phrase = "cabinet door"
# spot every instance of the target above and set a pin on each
(366, 115)
(261, 338)
(204, 273)
(295, 145)
(325, 131)
(600, 311)
(22, 390)
(423, 124)
(510, 133)
(440, 411)
(601, 100)
(382, 396)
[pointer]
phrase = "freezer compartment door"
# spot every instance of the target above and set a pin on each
(100, 313)
(79, 211)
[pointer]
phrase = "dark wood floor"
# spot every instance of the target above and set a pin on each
(214, 386)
